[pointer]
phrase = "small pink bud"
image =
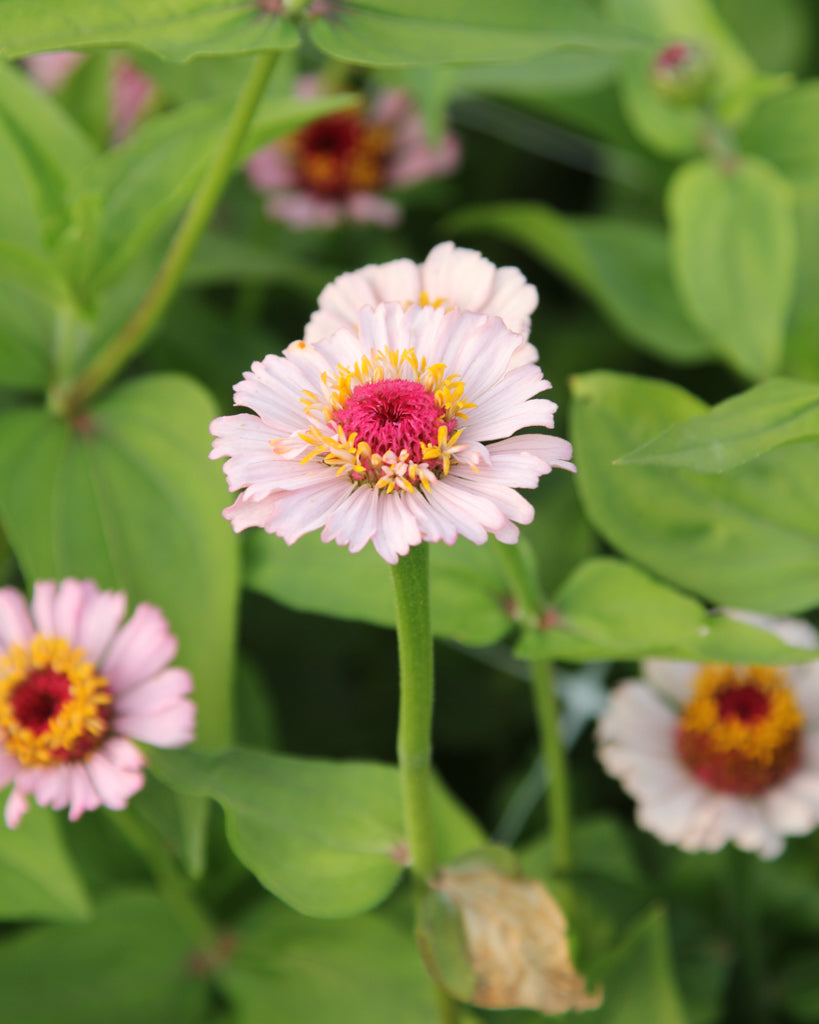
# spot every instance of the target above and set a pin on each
(682, 72)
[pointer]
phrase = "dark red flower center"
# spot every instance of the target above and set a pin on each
(38, 698)
(340, 154)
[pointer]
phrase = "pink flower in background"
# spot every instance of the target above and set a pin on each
(132, 91)
(76, 688)
(715, 753)
(337, 168)
(450, 277)
(396, 430)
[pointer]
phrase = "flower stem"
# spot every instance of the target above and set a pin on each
(67, 397)
(522, 580)
(410, 578)
(172, 884)
(748, 936)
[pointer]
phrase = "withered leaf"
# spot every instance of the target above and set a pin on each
(515, 935)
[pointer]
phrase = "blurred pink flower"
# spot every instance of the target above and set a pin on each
(449, 276)
(396, 430)
(132, 91)
(76, 688)
(715, 753)
(336, 168)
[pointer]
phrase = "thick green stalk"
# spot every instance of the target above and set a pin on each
(410, 578)
(69, 396)
(525, 588)
(743, 891)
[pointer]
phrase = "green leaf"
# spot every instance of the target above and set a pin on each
(733, 244)
(46, 151)
(222, 258)
(783, 131)
(609, 610)
(138, 188)
(668, 127)
(401, 32)
(131, 964)
(737, 430)
(38, 879)
(364, 971)
(126, 495)
(621, 265)
(802, 353)
(639, 976)
(468, 593)
(324, 836)
(26, 334)
(175, 29)
(747, 539)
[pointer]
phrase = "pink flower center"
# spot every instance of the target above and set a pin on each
(741, 733)
(672, 57)
(38, 698)
(393, 415)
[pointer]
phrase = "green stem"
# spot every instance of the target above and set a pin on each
(172, 884)
(522, 580)
(410, 578)
(69, 396)
(748, 934)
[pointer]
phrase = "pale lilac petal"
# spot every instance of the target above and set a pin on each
(113, 785)
(15, 622)
(51, 787)
(16, 808)
(172, 726)
(419, 161)
(82, 795)
(69, 604)
(302, 210)
(371, 208)
(142, 647)
(244, 513)
(123, 754)
(270, 168)
(133, 92)
(100, 618)
(463, 277)
(674, 679)
(42, 607)
(9, 767)
(52, 69)
(156, 694)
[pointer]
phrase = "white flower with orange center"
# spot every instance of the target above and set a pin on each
(76, 688)
(450, 276)
(715, 753)
(397, 431)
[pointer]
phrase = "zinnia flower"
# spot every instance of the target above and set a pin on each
(396, 431)
(716, 753)
(337, 167)
(76, 688)
(449, 276)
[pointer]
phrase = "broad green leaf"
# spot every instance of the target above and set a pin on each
(802, 352)
(737, 430)
(38, 879)
(26, 337)
(468, 593)
(363, 971)
(324, 836)
(673, 129)
(638, 976)
(126, 495)
(174, 29)
(48, 149)
(142, 185)
(222, 258)
(131, 964)
(748, 539)
(609, 610)
(733, 244)
(783, 131)
(405, 32)
(620, 265)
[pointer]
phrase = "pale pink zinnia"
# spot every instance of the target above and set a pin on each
(337, 167)
(77, 687)
(717, 753)
(396, 431)
(450, 276)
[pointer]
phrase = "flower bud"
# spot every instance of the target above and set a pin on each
(682, 72)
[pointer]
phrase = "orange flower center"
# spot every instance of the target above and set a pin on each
(340, 154)
(53, 705)
(741, 732)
